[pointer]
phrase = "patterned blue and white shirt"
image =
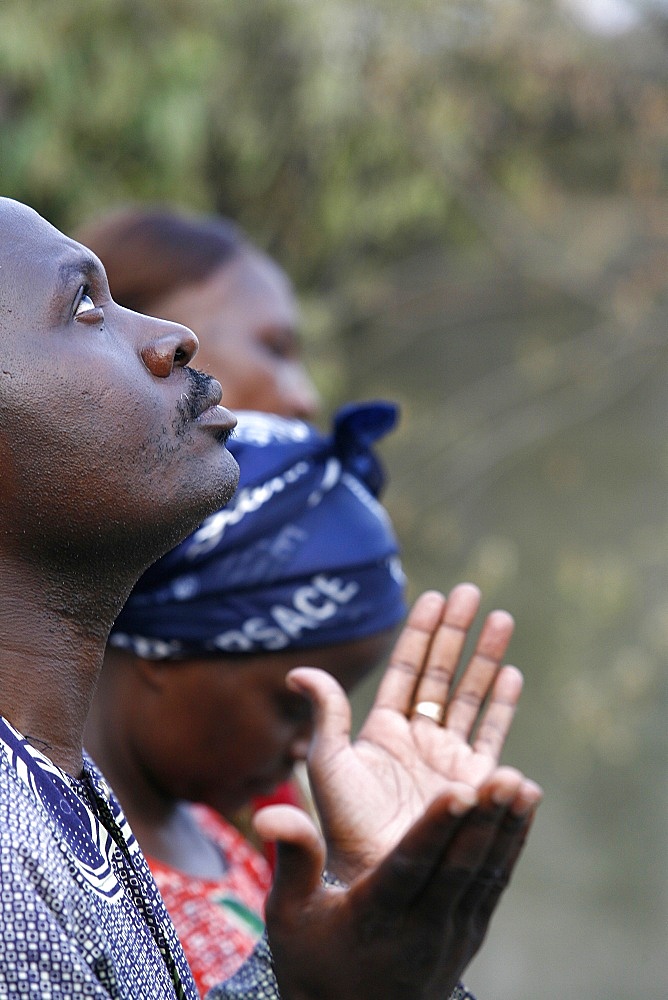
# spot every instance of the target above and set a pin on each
(80, 914)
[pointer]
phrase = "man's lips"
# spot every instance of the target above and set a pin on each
(205, 393)
(217, 417)
(206, 410)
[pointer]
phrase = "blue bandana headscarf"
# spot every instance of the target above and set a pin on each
(303, 555)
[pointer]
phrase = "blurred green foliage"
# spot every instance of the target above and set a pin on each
(472, 198)
(336, 132)
(358, 142)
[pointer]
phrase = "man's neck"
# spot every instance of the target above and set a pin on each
(52, 637)
(47, 698)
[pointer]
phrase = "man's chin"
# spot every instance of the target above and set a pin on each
(183, 510)
(230, 483)
(207, 496)
(220, 488)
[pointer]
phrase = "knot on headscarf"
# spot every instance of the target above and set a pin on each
(303, 555)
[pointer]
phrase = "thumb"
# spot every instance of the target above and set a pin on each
(332, 714)
(300, 856)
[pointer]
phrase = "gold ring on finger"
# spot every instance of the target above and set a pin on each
(430, 710)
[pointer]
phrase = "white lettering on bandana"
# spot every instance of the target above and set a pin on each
(246, 501)
(311, 605)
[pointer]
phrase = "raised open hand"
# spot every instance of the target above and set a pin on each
(409, 927)
(424, 735)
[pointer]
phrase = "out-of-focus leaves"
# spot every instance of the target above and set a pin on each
(332, 131)
(472, 197)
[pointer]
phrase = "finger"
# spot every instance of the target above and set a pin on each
(403, 875)
(504, 852)
(332, 716)
(445, 650)
(479, 845)
(499, 713)
(481, 894)
(300, 855)
(480, 674)
(408, 658)
(528, 798)
(501, 787)
(471, 845)
(487, 843)
(517, 798)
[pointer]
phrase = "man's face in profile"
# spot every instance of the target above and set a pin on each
(105, 435)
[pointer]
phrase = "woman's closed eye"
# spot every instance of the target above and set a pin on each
(294, 708)
(281, 342)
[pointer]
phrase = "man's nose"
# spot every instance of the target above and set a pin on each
(168, 346)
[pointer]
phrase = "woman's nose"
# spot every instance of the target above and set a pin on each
(300, 743)
(302, 395)
(168, 346)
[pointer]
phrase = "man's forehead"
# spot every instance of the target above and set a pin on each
(28, 239)
(21, 228)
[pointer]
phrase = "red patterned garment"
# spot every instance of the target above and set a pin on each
(217, 920)
(289, 793)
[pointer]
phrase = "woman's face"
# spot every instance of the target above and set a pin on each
(245, 316)
(225, 730)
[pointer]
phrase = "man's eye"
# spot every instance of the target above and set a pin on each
(85, 304)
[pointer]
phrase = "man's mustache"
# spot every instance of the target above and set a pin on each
(199, 395)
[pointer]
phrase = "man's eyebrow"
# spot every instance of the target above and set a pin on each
(85, 266)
